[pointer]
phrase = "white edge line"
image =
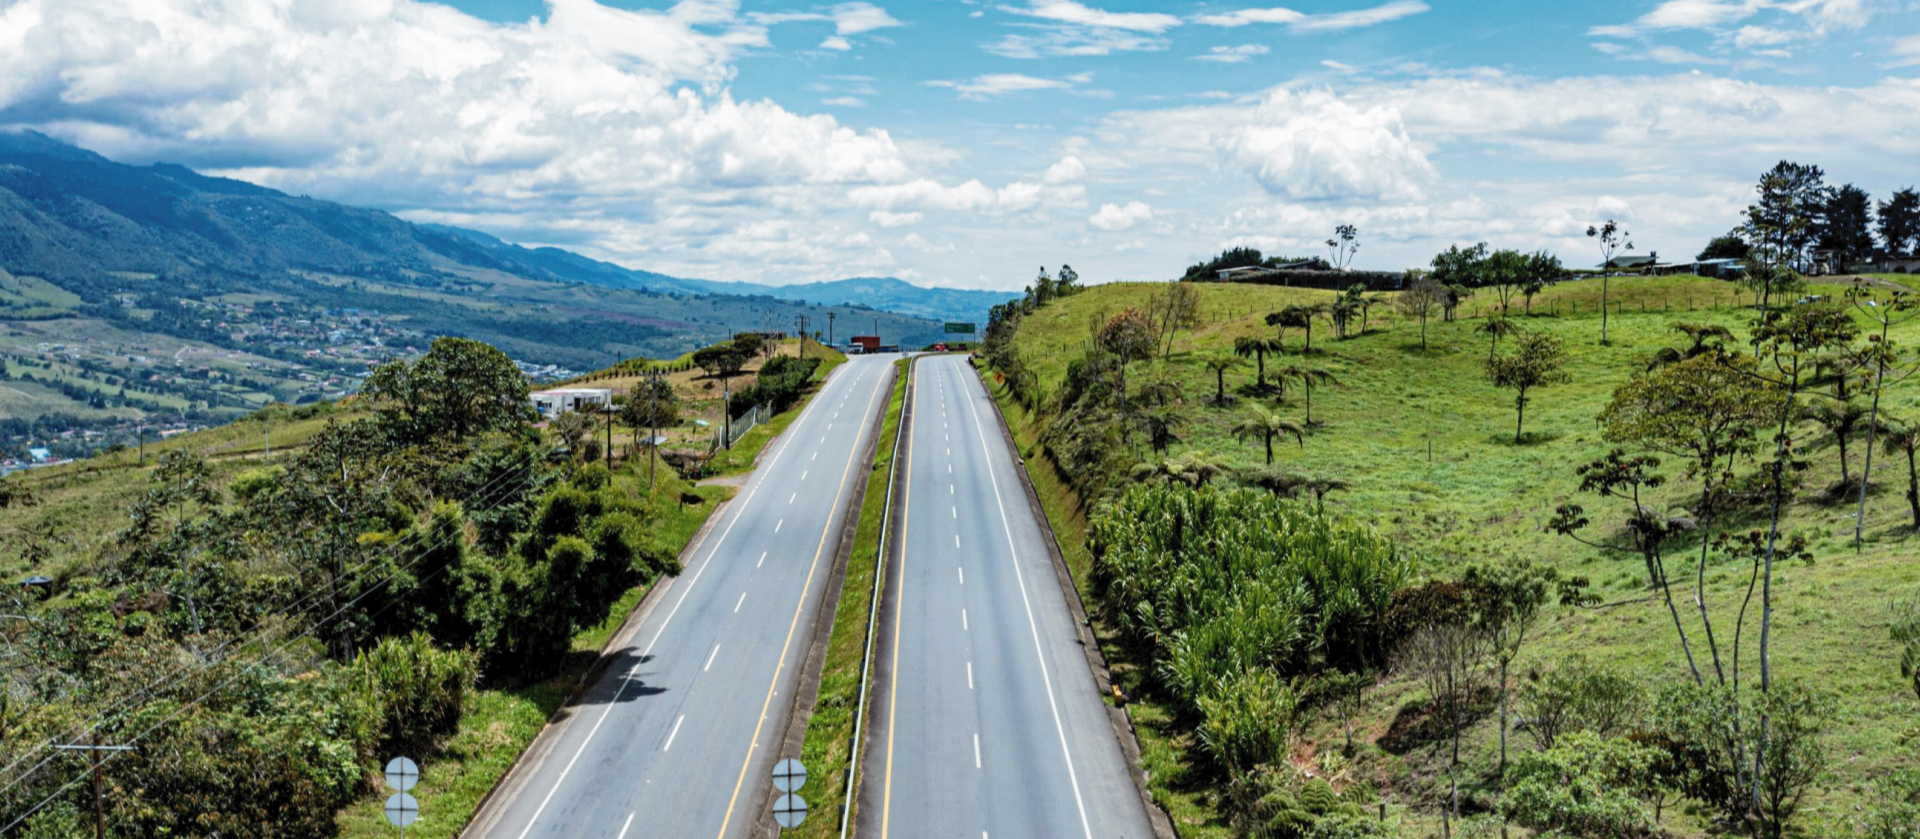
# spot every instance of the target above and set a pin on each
(1013, 554)
(757, 480)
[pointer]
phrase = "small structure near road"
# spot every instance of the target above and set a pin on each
(552, 403)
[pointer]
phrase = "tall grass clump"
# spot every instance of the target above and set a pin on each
(1238, 599)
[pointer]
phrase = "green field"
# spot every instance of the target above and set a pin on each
(1424, 444)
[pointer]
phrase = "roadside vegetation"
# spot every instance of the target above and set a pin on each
(423, 571)
(1507, 573)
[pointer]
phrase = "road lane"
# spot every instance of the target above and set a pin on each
(675, 730)
(993, 726)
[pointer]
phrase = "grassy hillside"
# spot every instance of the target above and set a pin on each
(1424, 444)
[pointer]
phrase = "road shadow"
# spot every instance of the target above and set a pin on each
(622, 678)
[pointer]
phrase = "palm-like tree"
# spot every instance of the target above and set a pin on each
(1307, 377)
(1265, 426)
(1904, 439)
(1194, 469)
(1496, 328)
(1219, 365)
(1257, 347)
(1163, 426)
(1289, 484)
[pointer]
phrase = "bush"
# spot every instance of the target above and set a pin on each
(1578, 696)
(1710, 735)
(419, 690)
(1895, 811)
(1586, 786)
(1249, 721)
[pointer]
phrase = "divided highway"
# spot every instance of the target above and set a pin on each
(991, 724)
(674, 738)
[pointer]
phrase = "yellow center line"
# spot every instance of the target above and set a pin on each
(893, 655)
(793, 626)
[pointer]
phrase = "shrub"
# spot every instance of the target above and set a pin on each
(1249, 721)
(1711, 734)
(1586, 786)
(1578, 696)
(419, 690)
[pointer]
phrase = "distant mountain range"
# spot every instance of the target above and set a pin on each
(888, 294)
(70, 215)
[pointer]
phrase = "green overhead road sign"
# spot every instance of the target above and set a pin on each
(959, 328)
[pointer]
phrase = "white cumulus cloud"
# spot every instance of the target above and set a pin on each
(1115, 217)
(1314, 145)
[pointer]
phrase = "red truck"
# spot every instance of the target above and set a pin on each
(867, 343)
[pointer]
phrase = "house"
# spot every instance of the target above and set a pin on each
(552, 403)
(1721, 269)
(1243, 273)
(40, 455)
(1629, 262)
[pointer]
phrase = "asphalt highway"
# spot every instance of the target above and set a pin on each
(673, 738)
(990, 722)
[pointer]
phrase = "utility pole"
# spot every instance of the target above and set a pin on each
(266, 438)
(830, 317)
(876, 327)
(803, 337)
(94, 750)
(609, 412)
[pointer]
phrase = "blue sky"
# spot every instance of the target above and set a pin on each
(965, 143)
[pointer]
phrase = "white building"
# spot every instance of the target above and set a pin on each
(552, 403)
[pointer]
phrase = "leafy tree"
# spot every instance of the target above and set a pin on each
(1790, 342)
(1785, 218)
(1542, 268)
(1127, 336)
(1219, 365)
(1419, 300)
(1507, 272)
(1579, 696)
(1613, 239)
(459, 389)
(1068, 283)
(1537, 361)
(1769, 281)
(1900, 223)
(752, 344)
(1888, 365)
(651, 403)
(1508, 599)
(1726, 246)
(1264, 426)
(1707, 410)
(571, 429)
(1845, 228)
(1299, 316)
